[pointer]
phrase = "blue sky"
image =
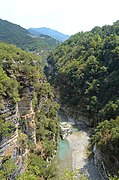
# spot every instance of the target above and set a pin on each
(66, 16)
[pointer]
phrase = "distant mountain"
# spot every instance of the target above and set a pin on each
(15, 34)
(50, 32)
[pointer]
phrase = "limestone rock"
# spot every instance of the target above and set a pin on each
(27, 116)
(98, 161)
(66, 129)
(9, 146)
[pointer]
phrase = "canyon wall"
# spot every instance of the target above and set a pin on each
(22, 116)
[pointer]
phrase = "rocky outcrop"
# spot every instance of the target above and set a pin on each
(23, 117)
(9, 112)
(9, 145)
(66, 129)
(106, 159)
(79, 115)
(98, 161)
(82, 116)
(27, 116)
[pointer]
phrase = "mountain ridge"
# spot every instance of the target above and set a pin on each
(15, 34)
(50, 32)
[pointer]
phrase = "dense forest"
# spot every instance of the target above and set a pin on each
(22, 80)
(15, 34)
(85, 73)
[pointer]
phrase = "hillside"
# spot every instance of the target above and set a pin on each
(85, 73)
(28, 117)
(15, 34)
(50, 32)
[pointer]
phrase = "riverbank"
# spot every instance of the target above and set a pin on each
(79, 142)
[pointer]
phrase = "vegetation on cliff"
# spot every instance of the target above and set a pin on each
(106, 138)
(22, 73)
(85, 71)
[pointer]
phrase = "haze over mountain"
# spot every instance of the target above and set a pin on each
(50, 32)
(15, 34)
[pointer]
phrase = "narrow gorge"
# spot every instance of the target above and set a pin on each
(75, 157)
(54, 111)
(84, 71)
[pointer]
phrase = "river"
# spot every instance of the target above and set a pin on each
(72, 152)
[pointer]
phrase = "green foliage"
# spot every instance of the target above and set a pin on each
(38, 169)
(27, 176)
(107, 131)
(7, 169)
(73, 175)
(22, 140)
(47, 126)
(6, 129)
(21, 72)
(110, 110)
(114, 178)
(8, 86)
(85, 71)
(17, 68)
(106, 138)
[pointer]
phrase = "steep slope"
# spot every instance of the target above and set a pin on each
(28, 118)
(85, 72)
(50, 32)
(15, 34)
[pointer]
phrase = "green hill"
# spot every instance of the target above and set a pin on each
(15, 34)
(85, 71)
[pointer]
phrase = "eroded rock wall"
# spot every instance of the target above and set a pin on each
(22, 116)
(27, 116)
(9, 145)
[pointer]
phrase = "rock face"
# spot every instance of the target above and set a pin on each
(9, 146)
(79, 115)
(66, 129)
(23, 117)
(106, 160)
(27, 116)
(85, 119)
(10, 113)
(98, 161)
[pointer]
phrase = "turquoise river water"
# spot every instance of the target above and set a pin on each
(63, 149)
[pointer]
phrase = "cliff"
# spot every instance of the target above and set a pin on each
(28, 118)
(9, 145)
